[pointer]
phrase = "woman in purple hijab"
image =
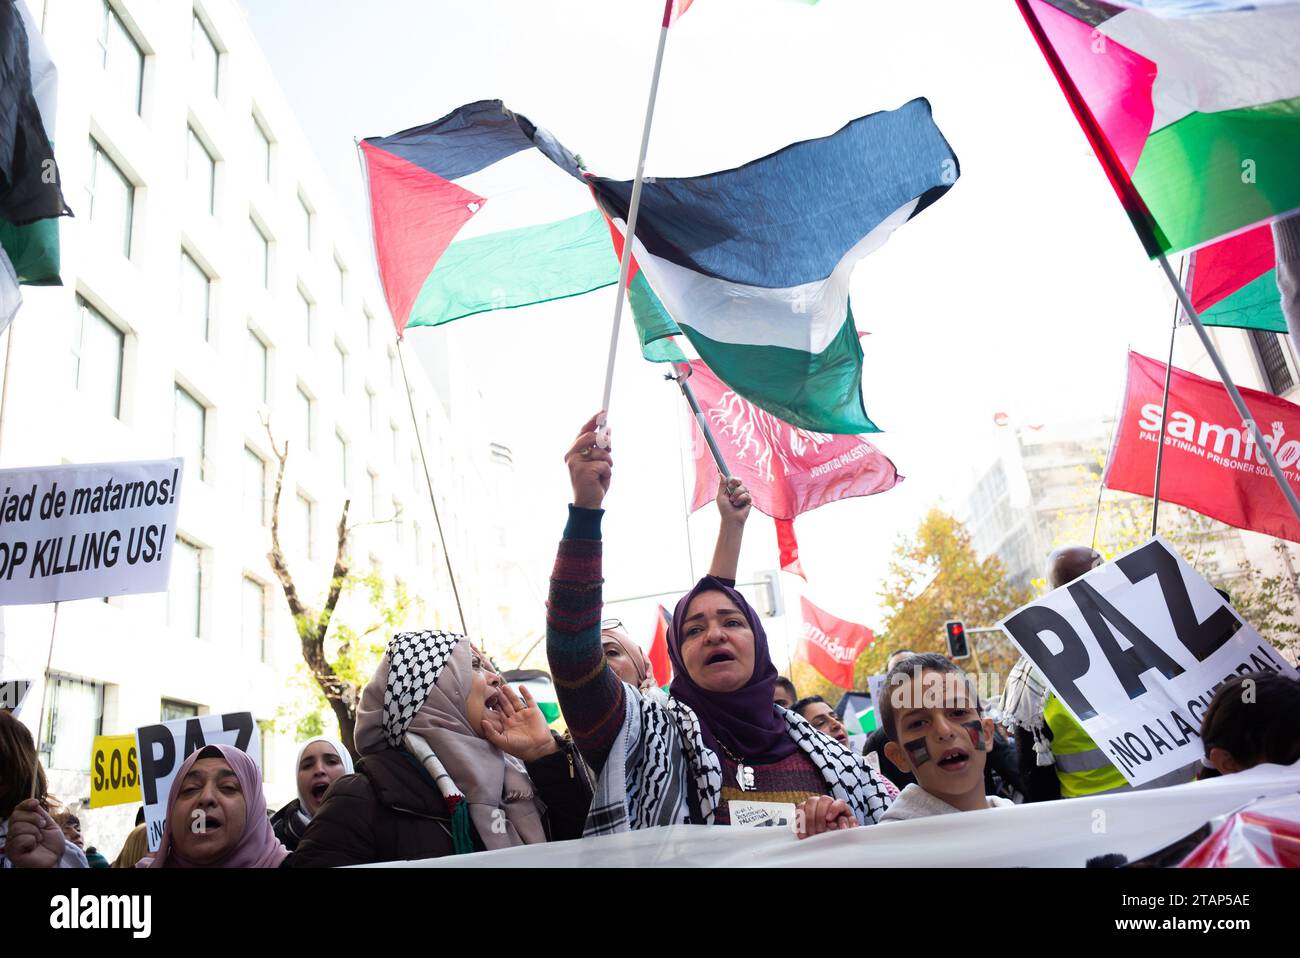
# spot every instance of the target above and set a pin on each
(718, 751)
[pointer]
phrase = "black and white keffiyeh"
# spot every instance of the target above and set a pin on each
(1021, 707)
(659, 767)
(417, 659)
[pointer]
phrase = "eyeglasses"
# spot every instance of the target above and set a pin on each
(608, 624)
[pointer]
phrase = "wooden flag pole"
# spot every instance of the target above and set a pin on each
(1190, 311)
(634, 207)
(1164, 410)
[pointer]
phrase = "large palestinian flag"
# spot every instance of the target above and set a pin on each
(1192, 107)
(470, 215)
(753, 263)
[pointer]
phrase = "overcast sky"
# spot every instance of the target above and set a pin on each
(1017, 292)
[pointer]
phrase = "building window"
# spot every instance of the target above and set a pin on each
(372, 331)
(255, 499)
(122, 59)
(74, 715)
(110, 198)
(304, 221)
(259, 253)
(207, 61)
(196, 296)
(397, 522)
(343, 459)
(306, 524)
(392, 366)
(304, 417)
(184, 597)
(258, 368)
(1272, 360)
(189, 431)
(200, 174)
(304, 317)
(374, 494)
(253, 609)
(172, 710)
(97, 350)
(262, 149)
(396, 444)
(372, 409)
(343, 279)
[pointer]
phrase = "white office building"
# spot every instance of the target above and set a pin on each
(209, 284)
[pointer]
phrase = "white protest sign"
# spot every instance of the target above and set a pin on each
(163, 747)
(12, 694)
(87, 531)
(1135, 650)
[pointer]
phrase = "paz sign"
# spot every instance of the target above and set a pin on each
(1135, 650)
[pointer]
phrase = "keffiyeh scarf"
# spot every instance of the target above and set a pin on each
(659, 771)
(1021, 707)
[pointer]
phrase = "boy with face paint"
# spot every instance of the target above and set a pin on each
(930, 713)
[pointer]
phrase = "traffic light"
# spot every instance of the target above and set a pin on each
(957, 648)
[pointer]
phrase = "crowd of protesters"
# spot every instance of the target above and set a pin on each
(450, 759)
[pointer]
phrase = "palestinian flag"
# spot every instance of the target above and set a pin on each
(1192, 107)
(30, 196)
(471, 215)
(753, 264)
(540, 686)
(1234, 282)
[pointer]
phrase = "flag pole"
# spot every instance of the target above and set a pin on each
(680, 378)
(433, 501)
(1190, 311)
(1164, 410)
(634, 207)
(45, 685)
(410, 398)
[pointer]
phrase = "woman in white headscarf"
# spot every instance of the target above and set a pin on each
(320, 761)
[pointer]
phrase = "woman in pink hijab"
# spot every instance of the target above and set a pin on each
(216, 815)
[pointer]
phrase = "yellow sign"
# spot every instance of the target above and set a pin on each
(114, 771)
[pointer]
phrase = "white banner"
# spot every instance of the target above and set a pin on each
(81, 532)
(164, 746)
(1064, 834)
(1135, 650)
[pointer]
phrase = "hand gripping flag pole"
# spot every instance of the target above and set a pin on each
(625, 264)
(1190, 312)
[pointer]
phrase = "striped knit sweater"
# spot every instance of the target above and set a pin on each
(589, 693)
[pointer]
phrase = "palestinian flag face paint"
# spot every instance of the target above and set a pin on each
(918, 751)
(976, 732)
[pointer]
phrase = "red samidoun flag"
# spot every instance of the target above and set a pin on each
(1211, 464)
(831, 645)
(660, 664)
(787, 470)
(789, 546)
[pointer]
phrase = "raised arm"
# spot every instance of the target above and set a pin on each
(733, 506)
(589, 693)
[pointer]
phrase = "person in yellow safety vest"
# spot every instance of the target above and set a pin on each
(1058, 759)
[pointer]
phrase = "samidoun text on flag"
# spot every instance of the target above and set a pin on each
(831, 645)
(1135, 650)
(1211, 463)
